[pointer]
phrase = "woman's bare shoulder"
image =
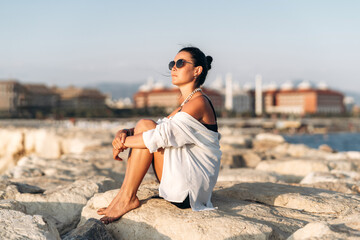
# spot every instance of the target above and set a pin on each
(196, 107)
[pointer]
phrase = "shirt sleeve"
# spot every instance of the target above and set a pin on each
(168, 133)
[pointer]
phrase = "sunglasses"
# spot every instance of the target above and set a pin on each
(179, 63)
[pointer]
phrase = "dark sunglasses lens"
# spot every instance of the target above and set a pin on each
(171, 65)
(179, 63)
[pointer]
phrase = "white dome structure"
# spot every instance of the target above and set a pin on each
(322, 86)
(305, 85)
(271, 86)
(158, 86)
(287, 86)
(144, 88)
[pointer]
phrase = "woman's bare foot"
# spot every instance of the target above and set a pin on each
(118, 207)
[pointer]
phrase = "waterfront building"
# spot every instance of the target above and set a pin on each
(40, 96)
(349, 103)
(303, 99)
(170, 98)
(12, 97)
(122, 103)
(236, 99)
(80, 98)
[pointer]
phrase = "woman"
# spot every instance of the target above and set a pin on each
(184, 147)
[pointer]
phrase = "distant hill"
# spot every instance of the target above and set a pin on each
(118, 90)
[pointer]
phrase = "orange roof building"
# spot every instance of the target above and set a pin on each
(304, 101)
(170, 98)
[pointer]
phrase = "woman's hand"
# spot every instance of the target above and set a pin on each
(118, 143)
(116, 154)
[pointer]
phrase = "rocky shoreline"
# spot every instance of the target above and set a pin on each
(54, 179)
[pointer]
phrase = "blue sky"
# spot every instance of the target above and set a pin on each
(85, 41)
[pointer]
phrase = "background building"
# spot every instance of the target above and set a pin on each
(305, 98)
(40, 96)
(12, 97)
(170, 98)
(235, 98)
(80, 98)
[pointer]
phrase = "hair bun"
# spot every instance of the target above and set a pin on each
(209, 60)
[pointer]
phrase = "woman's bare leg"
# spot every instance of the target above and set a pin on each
(138, 163)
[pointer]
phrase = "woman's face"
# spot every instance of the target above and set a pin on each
(186, 73)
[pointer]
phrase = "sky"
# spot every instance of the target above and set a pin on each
(83, 42)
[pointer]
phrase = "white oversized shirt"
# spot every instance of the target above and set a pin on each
(191, 159)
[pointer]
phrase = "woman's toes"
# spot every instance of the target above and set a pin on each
(101, 211)
(104, 220)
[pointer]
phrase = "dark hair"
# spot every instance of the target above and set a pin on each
(199, 59)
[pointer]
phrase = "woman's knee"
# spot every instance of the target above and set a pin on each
(144, 125)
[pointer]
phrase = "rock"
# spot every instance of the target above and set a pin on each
(247, 175)
(250, 159)
(274, 211)
(11, 142)
(293, 150)
(333, 176)
(342, 165)
(232, 159)
(239, 158)
(269, 137)
(92, 229)
(325, 148)
(63, 205)
(323, 230)
(10, 192)
(26, 188)
(47, 144)
(339, 181)
(80, 141)
(11, 146)
(295, 169)
(335, 186)
(6, 162)
(41, 182)
(352, 155)
(311, 200)
(17, 225)
(267, 141)
(235, 142)
(12, 205)
(158, 219)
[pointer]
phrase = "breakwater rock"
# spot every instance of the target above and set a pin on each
(267, 189)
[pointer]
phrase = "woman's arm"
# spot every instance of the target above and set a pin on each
(135, 141)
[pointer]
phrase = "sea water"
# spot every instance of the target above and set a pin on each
(338, 141)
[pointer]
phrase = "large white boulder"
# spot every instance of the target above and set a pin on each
(311, 200)
(247, 175)
(244, 211)
(294, 167)
(158, 219)
(11, 142)
(339, 181)
(323, 230)
(18, 225)
(63, 205)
